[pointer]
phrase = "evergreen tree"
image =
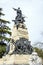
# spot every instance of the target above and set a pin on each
(4, 29)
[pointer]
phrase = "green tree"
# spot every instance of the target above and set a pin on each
(2, 49)
(4, 31)
(39, 51)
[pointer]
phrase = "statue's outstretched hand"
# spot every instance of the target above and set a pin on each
(14, 9)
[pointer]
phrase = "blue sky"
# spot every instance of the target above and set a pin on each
(32, 9)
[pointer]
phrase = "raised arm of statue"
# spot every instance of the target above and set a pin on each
(15, 9)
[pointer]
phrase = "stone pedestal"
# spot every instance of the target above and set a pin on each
(19, 33)
(16, 59)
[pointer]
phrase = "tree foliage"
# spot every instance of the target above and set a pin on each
(4, 31)
(2, 49)
(39, 51)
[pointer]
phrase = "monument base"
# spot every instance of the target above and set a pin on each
(16, 59)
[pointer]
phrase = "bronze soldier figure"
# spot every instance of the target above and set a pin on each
(19, 18)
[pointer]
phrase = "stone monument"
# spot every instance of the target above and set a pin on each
(20, 52)
(20, 43)
(20, 46)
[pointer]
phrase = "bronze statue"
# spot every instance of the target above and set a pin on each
(19, 12)
(22, 46)
(19, 18)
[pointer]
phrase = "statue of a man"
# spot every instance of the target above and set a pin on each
(19, 18)
(19, 12)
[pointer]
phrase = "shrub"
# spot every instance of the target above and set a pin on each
(39, 51)
(2, 50)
